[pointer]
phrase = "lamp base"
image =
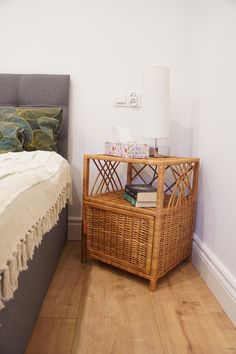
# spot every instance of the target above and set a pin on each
(153, 151)
(161, 151)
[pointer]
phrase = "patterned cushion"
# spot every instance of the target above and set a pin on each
(39, 126)
(11, 137)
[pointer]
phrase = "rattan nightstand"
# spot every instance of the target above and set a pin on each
(144, 241)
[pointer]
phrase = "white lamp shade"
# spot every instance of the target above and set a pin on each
(155, 102)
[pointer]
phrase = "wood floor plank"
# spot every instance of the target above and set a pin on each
(52, 336)
(189, 318)
(63, 296)
(116, 316)
(70, 256)
(221, 330)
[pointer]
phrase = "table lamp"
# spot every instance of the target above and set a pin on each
(155, 103)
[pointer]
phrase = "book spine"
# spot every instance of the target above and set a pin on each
(131, 193)
(130, 199)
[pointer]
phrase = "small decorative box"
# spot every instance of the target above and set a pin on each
(134, 150)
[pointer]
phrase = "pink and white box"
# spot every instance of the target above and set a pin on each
(126, 149)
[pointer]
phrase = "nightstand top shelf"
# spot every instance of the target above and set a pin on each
(170, 160)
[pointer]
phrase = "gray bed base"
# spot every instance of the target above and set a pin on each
(20, 314)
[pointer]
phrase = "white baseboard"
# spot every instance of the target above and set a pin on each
(220, 281)
(74, 228)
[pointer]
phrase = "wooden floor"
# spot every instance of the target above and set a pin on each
(97, 309)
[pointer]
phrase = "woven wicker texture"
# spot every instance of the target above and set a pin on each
(121, 236)
(175, 237)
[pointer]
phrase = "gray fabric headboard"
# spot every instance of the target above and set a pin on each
(38, 90)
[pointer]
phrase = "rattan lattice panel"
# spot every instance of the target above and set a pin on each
(107, 177)
(179, 183)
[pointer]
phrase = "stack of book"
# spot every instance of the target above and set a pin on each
(141, 195)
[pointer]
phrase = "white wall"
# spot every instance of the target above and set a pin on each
(103, 45)
(214, 135)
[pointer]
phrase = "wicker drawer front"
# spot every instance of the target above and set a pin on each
(125, 238)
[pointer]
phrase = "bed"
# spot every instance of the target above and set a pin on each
(19, 315)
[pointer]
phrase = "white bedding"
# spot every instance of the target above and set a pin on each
(34, 187)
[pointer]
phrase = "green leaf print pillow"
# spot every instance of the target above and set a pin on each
(11, 137)
(40, 125)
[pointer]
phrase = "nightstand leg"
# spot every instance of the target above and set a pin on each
(153, 285)
(189, 258)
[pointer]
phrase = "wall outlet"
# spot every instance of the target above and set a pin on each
(133, 99)
(127, 99)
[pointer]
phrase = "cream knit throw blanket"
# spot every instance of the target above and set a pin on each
(34, 187)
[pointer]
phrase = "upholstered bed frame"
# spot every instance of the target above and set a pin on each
(19, 315)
